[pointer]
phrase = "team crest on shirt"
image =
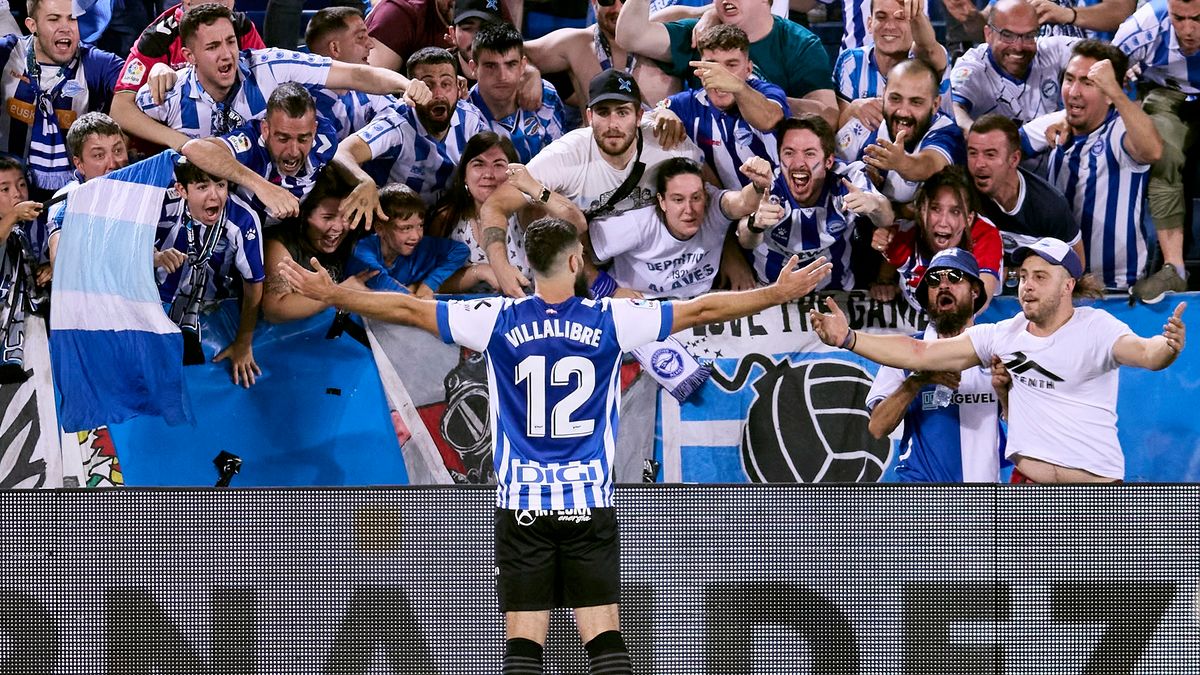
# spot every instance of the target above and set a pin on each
(1097, 148)
(1050, 88)
(240, 143)
(530, 126)
(133, 72)
(71, 89)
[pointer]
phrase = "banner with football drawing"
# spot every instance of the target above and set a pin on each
(782, 407)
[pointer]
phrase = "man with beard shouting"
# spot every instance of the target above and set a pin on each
(915, 141)
(951, 419)
(1063, 402)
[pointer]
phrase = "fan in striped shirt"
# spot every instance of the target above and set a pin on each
(1103, 165)
(1163, 39)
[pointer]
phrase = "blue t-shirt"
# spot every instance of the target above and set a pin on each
(431, 262)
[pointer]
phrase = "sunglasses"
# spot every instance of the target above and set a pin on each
(606, 3)
(934, 279)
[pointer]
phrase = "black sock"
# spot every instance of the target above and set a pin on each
(522, 657)
(607, 655)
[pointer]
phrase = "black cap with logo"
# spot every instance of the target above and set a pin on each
(613, 85)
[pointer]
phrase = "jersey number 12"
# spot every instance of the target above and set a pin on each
(532, 371)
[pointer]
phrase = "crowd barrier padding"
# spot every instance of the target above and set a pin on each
(727, 580)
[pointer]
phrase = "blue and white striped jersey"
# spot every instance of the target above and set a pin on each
(400, 155)
(981, 86)
(192, 111)
(1105, 187)
(1149, 40)
(350, 111)
(809, 231)
(856, 75)
(727, 140)
(40, 102)
(943, 136)
(554, 389)
(465, 122)
(238, 247)
(528, 131)
(248, 147)
(960, 442)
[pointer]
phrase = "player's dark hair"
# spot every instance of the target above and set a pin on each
(457, 203)
(902, 68)
(429, 56)
(327, 22)
(89, 123)
(497, 38)
(810, 122)
(292, 99)
(724, 37)
(399, 201)
(545, 240)
(201, 15)
(188, 173)
(1095, 49)
(997, 122)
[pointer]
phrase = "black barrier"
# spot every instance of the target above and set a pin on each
(717, 579)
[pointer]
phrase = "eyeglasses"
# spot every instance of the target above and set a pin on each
(935, 279)
(1010, 38)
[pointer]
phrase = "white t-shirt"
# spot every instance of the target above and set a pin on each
(649, 259)
(574, 167)
(1063, 402)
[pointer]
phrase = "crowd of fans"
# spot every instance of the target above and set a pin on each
(693, 147)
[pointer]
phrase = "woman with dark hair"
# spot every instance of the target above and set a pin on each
(486, 159)
(318, 232)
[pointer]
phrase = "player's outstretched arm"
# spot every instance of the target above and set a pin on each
(899, 351)
(1154, 353)
(390, 307)
(793, 282)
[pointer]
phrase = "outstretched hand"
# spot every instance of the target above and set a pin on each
(797, 282)
(316, 285)
(832, 328)
(1174, 329)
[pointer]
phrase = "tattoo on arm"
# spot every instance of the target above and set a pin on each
(494, 235)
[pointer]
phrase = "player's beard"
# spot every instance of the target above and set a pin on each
(582, 288)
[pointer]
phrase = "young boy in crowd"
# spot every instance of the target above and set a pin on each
(206, 235)
(406, 260)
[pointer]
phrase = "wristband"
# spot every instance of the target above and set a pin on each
(751, 226)
(1074, 16)
(849, 341)
(604, 286)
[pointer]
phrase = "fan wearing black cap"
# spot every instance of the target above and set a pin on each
(604, 169)
(1063, 361)
(951, 419)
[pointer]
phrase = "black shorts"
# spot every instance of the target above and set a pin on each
(548, 559)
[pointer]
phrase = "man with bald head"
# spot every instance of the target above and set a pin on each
(915, 140)
(1015, 74)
